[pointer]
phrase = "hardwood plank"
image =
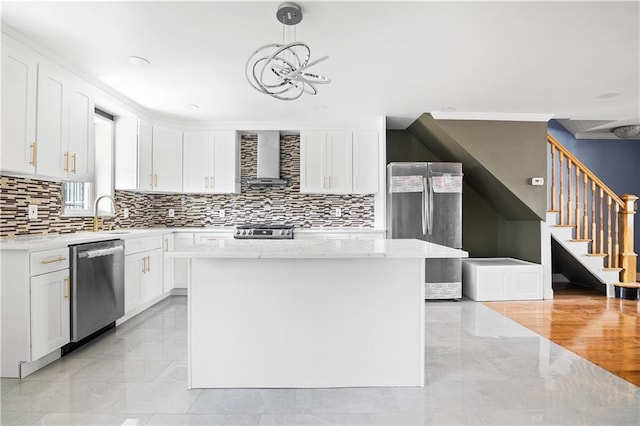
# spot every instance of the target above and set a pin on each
(604, 331)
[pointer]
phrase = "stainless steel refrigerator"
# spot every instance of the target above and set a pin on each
(424, 201)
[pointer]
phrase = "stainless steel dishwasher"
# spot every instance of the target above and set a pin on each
(97, 289)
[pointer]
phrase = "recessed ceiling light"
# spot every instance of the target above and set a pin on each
(607, 95)
(192, 107)
(319, 107)
(138, 61)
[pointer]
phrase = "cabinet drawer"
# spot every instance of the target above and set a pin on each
(49, 260)
(208, 237)
(137, 245)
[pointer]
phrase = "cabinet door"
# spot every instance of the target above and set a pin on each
(168, 264)
(52, 156)
(19, 78)
(167, 159)
(145, 156)
(152, 278)
(313, 177)
(339, 162)
(134, 269)
(365, 162)
(197, 176)
(81, 133)
(181, 266)
(49, 312)
(225, 162)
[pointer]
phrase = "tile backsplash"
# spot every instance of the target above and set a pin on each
(253, 204)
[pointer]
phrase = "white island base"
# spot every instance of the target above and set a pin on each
(306, 323)
(308, 314)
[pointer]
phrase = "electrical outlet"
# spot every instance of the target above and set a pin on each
(125, 213)
(221, 213)
(172, 212)
(338, 212)
(33, 211)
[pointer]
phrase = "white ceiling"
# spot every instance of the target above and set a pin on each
(394, 59)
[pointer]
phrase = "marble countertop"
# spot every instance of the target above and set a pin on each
(52, 241)
(318, 249)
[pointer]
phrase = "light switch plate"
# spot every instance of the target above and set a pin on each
(33, 211)
(537, 181)
(172, 212)
(338, 212)
(221, 213)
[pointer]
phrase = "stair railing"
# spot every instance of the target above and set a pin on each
(597, 214)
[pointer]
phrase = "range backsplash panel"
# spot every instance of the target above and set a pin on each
(282, 204)
(253, 204)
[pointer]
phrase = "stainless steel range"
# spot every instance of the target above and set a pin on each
(264, 231)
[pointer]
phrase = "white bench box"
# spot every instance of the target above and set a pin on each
(492, 279)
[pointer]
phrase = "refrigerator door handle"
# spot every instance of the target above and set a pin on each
(424, 206)
(430, 211)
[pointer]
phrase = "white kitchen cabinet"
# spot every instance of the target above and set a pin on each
(168, 270)
(49, 312)
(126, 152)
(64, 131)
(365, 162)
(167, 159)
(183, 240)
(211, 162)
(325, 162)
(142, 271)
(145, 155)
(19, 83)
(338, 162)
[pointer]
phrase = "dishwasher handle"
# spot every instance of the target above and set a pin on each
(90, 254)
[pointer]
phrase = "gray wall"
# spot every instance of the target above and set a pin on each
(485, 232)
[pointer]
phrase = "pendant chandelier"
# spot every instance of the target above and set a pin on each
(282, 70)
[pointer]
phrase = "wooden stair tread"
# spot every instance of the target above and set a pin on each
(627, 285)
(553, 211)
(581, 240)
(564, 226)
(597, 254)
(612, 269)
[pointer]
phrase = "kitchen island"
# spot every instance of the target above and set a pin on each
(307, 313)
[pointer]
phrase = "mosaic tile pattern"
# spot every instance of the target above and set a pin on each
(266, 204)
(253, 204)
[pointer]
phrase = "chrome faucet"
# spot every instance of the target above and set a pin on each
(96, 224)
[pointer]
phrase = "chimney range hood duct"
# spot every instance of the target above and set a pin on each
(268, 160)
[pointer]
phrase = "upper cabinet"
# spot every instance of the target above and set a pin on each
(47, 117)
(19, 82)
(211, 162)
(166, 159)
(338, 162)
(145, 156)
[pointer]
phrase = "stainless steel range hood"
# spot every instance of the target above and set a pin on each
(268, 161)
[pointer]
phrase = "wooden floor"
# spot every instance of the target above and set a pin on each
(605, 331)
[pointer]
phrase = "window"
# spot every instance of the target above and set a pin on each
(78, 197)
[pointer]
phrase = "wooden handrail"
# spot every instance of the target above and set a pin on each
(605, 221)
(583, 169)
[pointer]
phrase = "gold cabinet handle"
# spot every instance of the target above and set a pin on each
(57, 259)
(144, 264)
(155, 180)
(73, 159)
(67, 284)
(206, 182)
(66, 161)
(166, 245)
(33, 154)
(212, 181)
(148, 264)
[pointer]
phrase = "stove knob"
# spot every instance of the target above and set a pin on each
(244, 232)
(250, 232)
(237, 232)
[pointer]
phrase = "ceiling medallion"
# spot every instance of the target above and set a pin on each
(627, 132)
(281, 70)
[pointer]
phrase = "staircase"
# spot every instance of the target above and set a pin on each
(591, 222)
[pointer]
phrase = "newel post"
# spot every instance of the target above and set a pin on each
(628, 258)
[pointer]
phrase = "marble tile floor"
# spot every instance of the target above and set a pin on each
(481, 368)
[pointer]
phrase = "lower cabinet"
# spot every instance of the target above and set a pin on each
(168, 271)
(181, 266)
(142, 271)
(49, 312)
